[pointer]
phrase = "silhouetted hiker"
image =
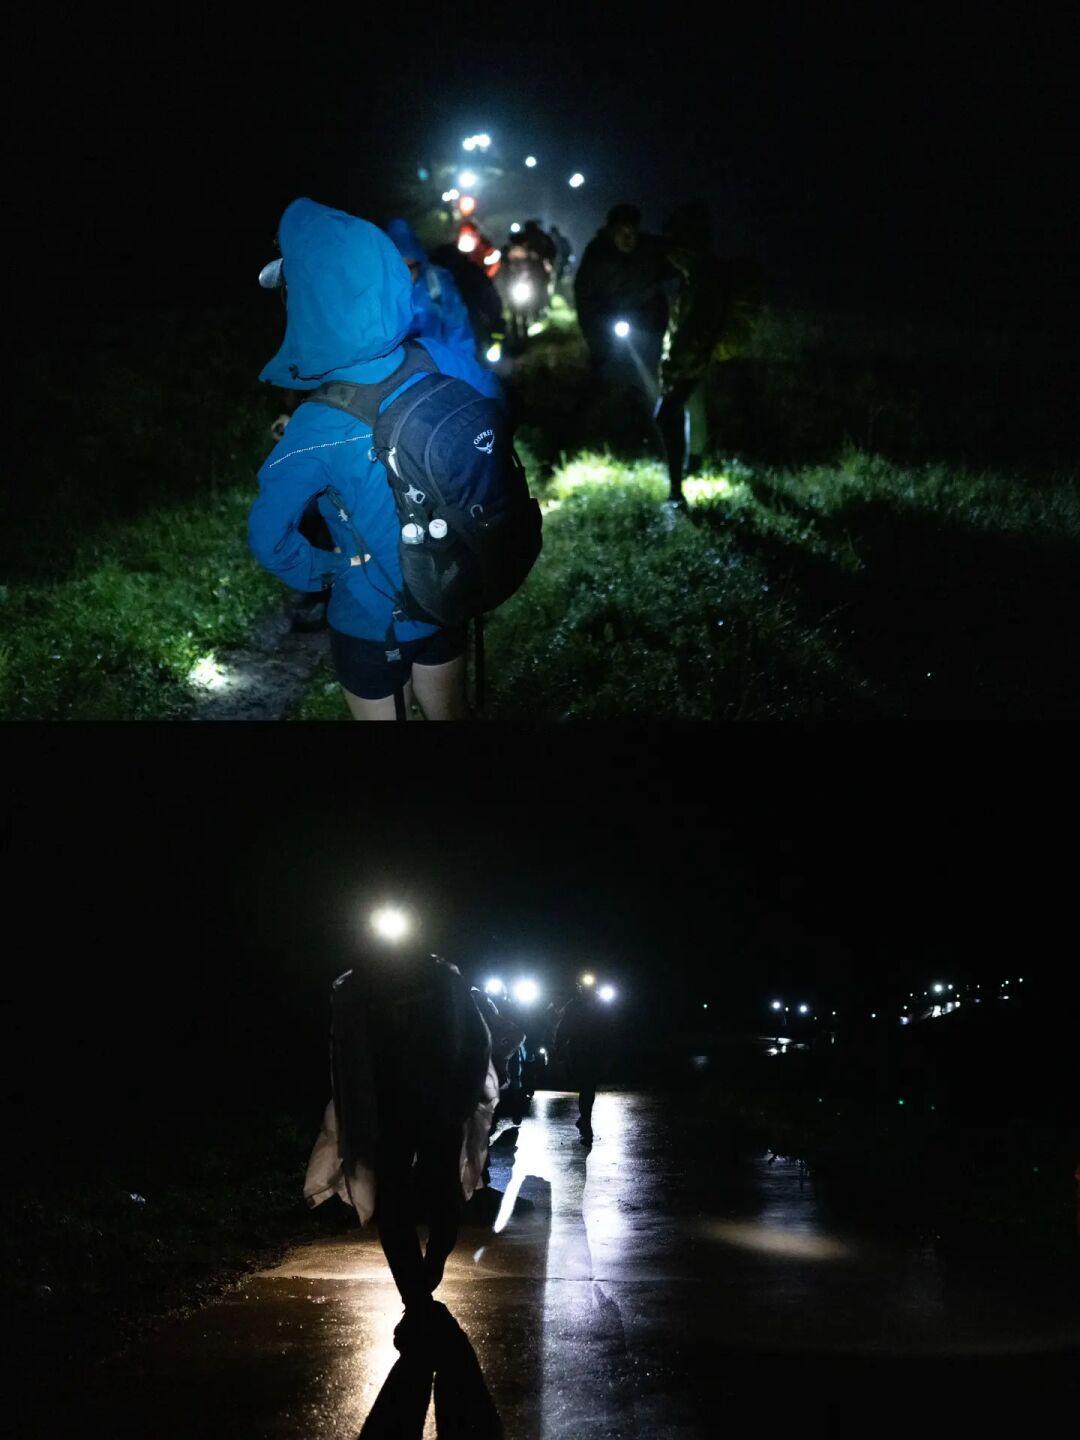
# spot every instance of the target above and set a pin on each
(621, 278)
(584, 1037)
(563, 251)
(478, 291)
(414, 1092)
(622, 308)
(711, 318)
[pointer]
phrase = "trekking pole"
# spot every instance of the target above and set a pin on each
(480, 663)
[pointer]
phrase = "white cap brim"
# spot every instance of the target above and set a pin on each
(270, 276)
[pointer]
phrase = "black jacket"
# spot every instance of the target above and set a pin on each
(612, 286)
(407, 1036)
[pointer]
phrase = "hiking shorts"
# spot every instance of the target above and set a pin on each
(363, 669)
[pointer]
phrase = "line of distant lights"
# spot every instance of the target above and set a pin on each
(939, 987)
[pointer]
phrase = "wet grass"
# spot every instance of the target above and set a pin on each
(124, 546)
(858, 549)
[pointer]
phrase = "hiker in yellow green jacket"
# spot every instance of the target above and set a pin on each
(711, 319)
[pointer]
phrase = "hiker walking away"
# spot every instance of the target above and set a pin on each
(348, 311)
(563, 252)
(439, 312)
(413, 1096)
(711, 320)
(583, 1039)
(477, 289)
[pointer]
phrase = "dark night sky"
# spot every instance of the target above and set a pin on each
(190, 894)
(821, 134)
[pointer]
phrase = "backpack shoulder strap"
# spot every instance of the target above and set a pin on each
(364, 402)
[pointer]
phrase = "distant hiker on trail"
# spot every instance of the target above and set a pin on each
(621, 277)
(711, 320)
(414, 1092)
(348, 309)
(477, 290)
(583, 1037)
(438, 309)
(622, 309)
(563, 252)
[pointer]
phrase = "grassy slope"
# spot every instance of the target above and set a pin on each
(853, 590)
(839, 568)
(115, 1242)
(125, 552)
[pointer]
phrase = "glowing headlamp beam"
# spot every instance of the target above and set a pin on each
(389, 923)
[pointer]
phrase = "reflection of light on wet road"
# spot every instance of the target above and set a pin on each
(774, 1240)
(628, 1288)
(584, 1212)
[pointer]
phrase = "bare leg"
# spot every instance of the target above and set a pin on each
(376, 709)
(697, 427)
(440, 690)
(671, 420)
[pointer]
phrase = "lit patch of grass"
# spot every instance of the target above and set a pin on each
(119, 637)
(631, 612)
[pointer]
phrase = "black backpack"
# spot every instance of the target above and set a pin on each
(449, 457)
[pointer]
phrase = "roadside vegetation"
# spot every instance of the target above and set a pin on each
(941, 1130)
(147, 1229)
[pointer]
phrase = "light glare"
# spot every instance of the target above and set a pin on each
(391, 924)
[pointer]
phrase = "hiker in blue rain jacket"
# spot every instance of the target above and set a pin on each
(348, 310)
(439, 312)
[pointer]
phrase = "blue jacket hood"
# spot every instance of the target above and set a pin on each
(409, 247)
(349, 295)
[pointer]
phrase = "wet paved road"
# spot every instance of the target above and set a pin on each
(658, 1286)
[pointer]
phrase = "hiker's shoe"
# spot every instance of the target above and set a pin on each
(413, 1333)
(670, 511)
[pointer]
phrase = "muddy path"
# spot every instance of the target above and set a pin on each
(265, 678)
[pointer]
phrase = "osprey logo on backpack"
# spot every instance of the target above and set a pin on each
(454, 476)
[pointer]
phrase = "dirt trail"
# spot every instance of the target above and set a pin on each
(261, 680)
